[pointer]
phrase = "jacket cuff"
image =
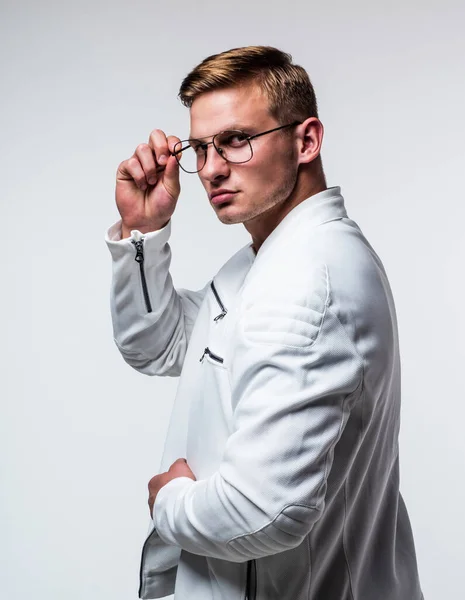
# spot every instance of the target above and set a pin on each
(165, 499)
(153, 240)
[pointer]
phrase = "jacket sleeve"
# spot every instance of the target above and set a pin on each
(152, 321)
(293, 385)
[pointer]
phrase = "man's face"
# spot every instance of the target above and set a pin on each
(268, 178)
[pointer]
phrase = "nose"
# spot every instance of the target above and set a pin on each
(216, 167)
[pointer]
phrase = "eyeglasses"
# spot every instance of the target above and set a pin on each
(232, 145)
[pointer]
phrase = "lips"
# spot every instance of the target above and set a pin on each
(222, 195)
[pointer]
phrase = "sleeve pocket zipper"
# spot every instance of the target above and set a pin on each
(139, 246)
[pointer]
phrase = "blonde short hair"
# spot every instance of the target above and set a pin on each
(287, 86)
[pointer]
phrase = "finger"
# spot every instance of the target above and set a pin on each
(132, 169)
(159, 144)
(175, 464)
(147, 161)
(171, 175)
(172, 141)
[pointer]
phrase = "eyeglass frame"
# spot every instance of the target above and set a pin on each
(212, 141)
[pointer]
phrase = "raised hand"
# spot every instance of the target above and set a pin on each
(147, 185)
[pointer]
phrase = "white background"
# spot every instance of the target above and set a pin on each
(82, 83)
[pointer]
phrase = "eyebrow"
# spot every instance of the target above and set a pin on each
(231, 127)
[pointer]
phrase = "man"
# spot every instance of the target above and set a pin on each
(280, 473)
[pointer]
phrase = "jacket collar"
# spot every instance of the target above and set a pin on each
(320, 208)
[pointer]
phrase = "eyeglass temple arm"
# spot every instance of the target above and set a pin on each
(252, 137)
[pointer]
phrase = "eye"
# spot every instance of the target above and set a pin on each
(234, 139)
(198, 147)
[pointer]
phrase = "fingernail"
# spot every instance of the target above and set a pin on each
(153, 180)
(162, 159)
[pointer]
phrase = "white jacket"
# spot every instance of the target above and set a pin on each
(287, 411)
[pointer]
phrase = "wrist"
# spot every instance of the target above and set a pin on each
(126, 230)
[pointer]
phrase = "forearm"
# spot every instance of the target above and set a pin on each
(291, 406)
(149, 316)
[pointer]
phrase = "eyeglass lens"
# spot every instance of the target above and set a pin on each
(233, 146)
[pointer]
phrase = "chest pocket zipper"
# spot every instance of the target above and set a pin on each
(220, 303)
(213, 356)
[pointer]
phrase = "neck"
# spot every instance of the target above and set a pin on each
(261, 226)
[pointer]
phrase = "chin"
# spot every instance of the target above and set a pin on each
(231, 213)
(227, 215)
(230, 219)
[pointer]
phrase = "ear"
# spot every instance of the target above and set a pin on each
(309, 139)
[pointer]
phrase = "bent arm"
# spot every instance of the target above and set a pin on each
(152, 321)
(293, 387)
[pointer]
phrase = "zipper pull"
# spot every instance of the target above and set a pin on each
(203, 355)
(139, 245)
(221, 305)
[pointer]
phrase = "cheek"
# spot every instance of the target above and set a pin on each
(268, 173)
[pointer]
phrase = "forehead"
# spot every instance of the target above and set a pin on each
(230, 108)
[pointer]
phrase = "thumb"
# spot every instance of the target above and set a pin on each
(172, 167)
(171, 176)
